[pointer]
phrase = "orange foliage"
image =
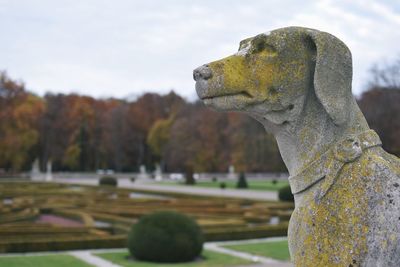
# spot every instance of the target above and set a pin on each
(19, 113)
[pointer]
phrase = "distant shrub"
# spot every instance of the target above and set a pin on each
(189, 179)
(274, 181)
(214, 179)
(222, 185)
(165, 236)
(242, 183)
(285, 194)
(108, 180)
(133, 179)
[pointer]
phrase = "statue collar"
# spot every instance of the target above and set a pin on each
(328, 165)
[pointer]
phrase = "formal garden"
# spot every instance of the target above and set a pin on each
(183, 134)
(38, 217)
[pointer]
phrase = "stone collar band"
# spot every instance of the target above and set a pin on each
(331, 162)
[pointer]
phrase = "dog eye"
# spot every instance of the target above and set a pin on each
(259, 44)
(263, 47)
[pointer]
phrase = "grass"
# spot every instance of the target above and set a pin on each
(59, 260)
(272, 249)
(263, 185)
(211, 259)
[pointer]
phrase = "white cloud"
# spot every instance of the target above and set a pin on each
(118, 48)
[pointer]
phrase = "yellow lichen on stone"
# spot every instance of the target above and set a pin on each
(329, 230)
(239, 76)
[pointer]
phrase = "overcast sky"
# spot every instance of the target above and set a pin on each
(123, 48)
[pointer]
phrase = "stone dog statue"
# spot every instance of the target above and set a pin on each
(297, 83)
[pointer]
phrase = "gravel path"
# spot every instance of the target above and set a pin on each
(247, 256)
(259, 261)
(125, 183)
(88, 257)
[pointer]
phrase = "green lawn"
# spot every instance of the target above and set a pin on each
(265, 185)
(211, 259)
(273, 249)
(58, 260)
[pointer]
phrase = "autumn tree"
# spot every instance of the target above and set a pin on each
(73, 132)
(158, 137)
(19, 113)
(141, 116)
(252, 148)
(382, 111)
(380, 104)
(196, 140)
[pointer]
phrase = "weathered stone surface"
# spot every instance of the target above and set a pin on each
(297, 83)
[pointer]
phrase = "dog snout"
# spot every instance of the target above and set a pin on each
(204, 72)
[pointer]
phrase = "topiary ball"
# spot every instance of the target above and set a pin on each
(165, 236)
(242, 182)
(285, 194)
(108, 180)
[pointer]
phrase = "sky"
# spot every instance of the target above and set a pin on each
(123, 48)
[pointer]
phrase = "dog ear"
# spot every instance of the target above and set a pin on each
(332, 75)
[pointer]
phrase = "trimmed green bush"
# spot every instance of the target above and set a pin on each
(165, 236)
(214, 179)
(285, 194)
(108, 180)
(222, 185)
(242, 183)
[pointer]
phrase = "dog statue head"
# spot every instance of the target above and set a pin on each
(272, 73)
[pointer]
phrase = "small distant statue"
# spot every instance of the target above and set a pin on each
(231, 172)
(142, 172)
(297, 83)
(35, 171)
(49, 175)
(158, 173)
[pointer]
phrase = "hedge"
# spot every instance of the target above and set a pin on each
(246, 232)
(55, 244)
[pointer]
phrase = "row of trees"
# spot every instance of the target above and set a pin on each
(80, 133)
